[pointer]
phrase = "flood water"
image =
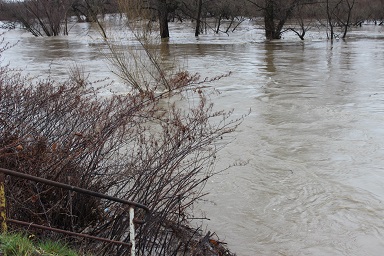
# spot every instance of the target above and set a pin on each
(313, 144)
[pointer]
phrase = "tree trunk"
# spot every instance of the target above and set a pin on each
(163, 18)
(329, 17)
(198, 21)
(274, 30)
(347, 24)
(269, 20)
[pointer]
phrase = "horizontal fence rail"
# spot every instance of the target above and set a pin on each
(23, 223)
(131, 205)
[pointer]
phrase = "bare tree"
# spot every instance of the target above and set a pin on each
(229, 11)
(377, 11)
(339, 15)
(303, 19)
(50, 18)
(88, 10)
(347, 21)
(43, 17)
(276, 13)
(150, 10)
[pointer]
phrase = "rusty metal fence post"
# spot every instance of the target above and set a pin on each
(3, 214)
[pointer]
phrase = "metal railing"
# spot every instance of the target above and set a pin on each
(131, 204)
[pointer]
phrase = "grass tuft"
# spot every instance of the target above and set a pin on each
(19, 245)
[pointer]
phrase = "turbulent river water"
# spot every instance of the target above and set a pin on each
(313, 142)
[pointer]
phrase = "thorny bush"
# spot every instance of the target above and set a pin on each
(139, 147)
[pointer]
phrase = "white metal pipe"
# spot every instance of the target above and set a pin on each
(132, 230)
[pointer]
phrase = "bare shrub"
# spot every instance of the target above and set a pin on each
(139, 65)
(139, 147)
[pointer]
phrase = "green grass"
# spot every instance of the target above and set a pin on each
(20, 245)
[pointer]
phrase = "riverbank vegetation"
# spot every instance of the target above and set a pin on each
(51, 18)
(155, 147)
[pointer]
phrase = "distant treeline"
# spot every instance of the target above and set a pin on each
(49, 17)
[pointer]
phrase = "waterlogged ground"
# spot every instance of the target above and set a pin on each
(313, 143)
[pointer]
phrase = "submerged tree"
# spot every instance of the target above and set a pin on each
(50, 18)
(41, 17)
(339, 14)
(276, 13)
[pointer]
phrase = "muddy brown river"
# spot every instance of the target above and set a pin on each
(313, 144)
